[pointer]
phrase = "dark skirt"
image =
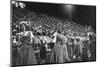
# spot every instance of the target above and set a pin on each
(43, 52)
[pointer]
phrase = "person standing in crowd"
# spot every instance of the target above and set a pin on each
(59, 52)
(86, 48)
(14, 52)
(76, 49)
(92, 46)
(70, 47)
(66, 55)
(43, 52)
(36, 41)
(80, 48)
(26, 53)
(26, 31)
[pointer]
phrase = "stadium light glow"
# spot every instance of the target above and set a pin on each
(69, 9)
